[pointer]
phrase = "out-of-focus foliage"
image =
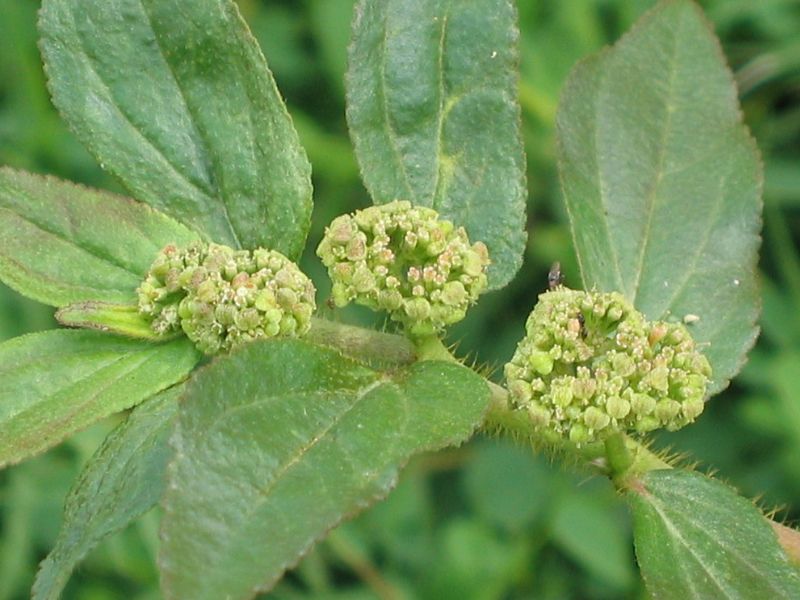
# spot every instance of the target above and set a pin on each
(488, 520)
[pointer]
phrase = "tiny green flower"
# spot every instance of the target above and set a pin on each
(407, 261)
(591, 365)
(221, 297)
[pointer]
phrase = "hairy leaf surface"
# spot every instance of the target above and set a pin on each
(176, 100)
(663, 182)
(433, 113)
(280, 441)
(55, 383)
(123, 480)
(62, 243)
(696, 539)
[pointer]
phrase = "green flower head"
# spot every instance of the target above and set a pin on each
(591, 365)
(407, 261)
(222, 297)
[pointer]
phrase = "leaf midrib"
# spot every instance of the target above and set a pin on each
(208, 196)
(602, 186)
(118, 107)
(678, 538)
(263, 493)
(63, 558)
(440, 113)
(66, 391)
(201, 133)
(74, 348)
(652, 197)
(388, 127)
(699, 526)
(52, 432)
(91, 251)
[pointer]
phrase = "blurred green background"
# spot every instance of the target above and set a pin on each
(488, 520)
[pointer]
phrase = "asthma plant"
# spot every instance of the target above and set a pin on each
(299, 421)
(406, 261)
(591, 365)
(222, 298)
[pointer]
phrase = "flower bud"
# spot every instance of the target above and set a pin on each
(407, 261)
(591, 365)
(595, 419)
(617, 408)
(160, 291)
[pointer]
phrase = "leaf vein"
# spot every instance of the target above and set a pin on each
(602, 188)
(678, 537)
(441, 114)
(651, 198)
(291, 461)
(695, 258)
(388, 128)
(201, 134)
(92, 251)
(116, 106)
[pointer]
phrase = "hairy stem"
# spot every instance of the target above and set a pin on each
(620, 458)
(431, 347)
(363, 344)
(618, 455)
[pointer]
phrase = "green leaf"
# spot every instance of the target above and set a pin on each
(434, 116)
(55, 383)
(696, 538)
(122, 319)
(662, 181)
(62, 243)
(123, 480)
(279, 442)
(176, 100)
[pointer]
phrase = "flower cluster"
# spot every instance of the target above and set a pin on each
(222, 297)
(591, 365)
(407, 261)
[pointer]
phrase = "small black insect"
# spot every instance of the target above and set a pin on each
(555, 277)
(582, 321)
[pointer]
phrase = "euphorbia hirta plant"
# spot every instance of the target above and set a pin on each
(259, 426)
